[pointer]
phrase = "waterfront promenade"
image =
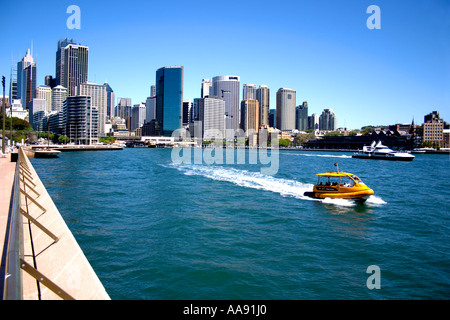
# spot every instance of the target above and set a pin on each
(52, 265)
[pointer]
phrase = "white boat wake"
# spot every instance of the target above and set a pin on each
(325, 156)
(256, 180)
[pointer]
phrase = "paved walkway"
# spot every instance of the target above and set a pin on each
(7, 169)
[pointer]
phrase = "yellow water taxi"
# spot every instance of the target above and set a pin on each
(340, 185)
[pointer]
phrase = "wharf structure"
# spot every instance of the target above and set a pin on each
(40, 258)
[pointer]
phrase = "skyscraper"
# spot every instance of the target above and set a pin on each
(110, 100)
(124, 108)
(248, 91)
(45, 92)
(206, 88)
(26, 80)
(59, 74)
(76, 59)
(169, 99)
(211, 117)
(59, 94)
(187, 108)
(98, 95)
(227, 88)
(250, 116)
(138, 116)
(327, 120)
(301, 117)
(263, 97)
(285, 112)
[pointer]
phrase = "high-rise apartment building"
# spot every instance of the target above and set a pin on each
(169, 98)
(80, 119)
(76, 59)
(227, 88)
(285, 112)
(98, 95)
(301, 117)
(248, 91)
(59, 74)
(327, 120)
(263, 97)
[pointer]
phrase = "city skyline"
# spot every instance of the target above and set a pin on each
(322, 50)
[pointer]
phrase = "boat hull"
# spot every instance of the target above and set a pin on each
(389, 158)
(46, 154)
(359, 196)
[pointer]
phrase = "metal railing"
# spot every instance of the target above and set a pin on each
(24, 186)
(12, 277)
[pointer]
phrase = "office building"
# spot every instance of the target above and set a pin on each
(263, 97)
(80, 120)
(248, 91)
(250, 116)
(150, 107)
(37, 112)
(124, 108)
(206, 88)
(227, 88)
(187, 109)
(313, 121)
(327, 120)
(110, 101)
(285, 111)
(45, 92)
(138, 116)
(301, 117)
(211, 118)
(50, 81)
(59, 94)
(98, 95)
(26, 80)
(59, 74)
(76, 59)
(169, 99)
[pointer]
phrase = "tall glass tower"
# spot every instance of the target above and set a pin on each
(169, 99)
(227, 88)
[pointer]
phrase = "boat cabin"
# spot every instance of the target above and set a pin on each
(338, 179)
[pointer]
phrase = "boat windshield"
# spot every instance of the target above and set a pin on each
(356, 179)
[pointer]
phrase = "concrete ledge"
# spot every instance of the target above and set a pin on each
(62, 261)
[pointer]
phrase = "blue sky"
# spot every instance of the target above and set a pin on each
(322, 49)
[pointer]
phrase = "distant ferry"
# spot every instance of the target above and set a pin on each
(379, 151)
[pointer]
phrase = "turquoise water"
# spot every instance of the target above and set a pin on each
(153, 229)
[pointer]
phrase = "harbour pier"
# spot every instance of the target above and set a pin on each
(40, 258)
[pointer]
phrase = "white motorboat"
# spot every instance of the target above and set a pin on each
(381, 152)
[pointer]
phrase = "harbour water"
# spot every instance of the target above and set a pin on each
(153, 229)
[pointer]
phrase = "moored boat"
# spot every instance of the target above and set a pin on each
(381, 152)
(340, 185)
(46, 153)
